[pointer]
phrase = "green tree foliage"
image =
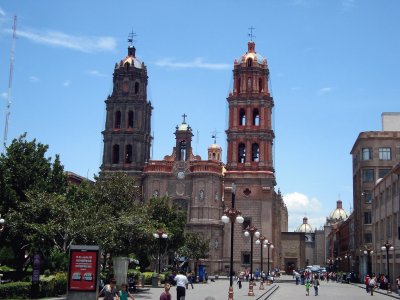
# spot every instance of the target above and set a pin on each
(195, 247)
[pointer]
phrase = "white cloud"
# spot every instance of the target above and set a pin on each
(96, 73)
(2, 13)
(60, 39)
(347, 5)
(300, 206)
(196, 63)
(4, 95)
(324, 91)
(67, 83)
(33, 79)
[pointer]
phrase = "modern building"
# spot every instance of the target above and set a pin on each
(374, 154)
(203, 187)
(386, 223)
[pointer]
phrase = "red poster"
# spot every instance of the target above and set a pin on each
(82, 271)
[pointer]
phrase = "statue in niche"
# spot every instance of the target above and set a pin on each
(201, 195)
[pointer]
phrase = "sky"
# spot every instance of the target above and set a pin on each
(334, 68)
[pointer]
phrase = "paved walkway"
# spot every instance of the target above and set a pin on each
(285, 289)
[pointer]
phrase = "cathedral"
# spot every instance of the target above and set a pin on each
(203, 186)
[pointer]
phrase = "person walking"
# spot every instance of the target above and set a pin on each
(239, 281)
(307, 287)
(166, 295)
(366, 282)
(124, 293)
(110, 291)
(398, 284)
(181, 284)
(316, 285)
(190, 279)
(372, 283)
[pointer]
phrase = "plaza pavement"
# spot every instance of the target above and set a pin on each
(284, 288)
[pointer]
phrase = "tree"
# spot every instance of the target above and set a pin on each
(24, 170)
(195, 248)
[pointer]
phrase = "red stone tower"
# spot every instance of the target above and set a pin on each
(250, 161)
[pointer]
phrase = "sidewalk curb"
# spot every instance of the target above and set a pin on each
(361, 286)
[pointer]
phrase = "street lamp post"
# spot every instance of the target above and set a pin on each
(269, 245)
(388, 246)
(232, 215)
(338, 263)
(348, 257)
(160, 234)
(261, 241)
(2, 224)
(368, 251)
(252, 232)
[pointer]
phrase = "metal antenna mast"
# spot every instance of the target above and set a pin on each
(10, 79)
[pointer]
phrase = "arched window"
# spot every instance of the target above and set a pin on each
(255, 152)
(260, 85)
(128, 154)
(136, 87)
(182, 150)
(130, 119)
(127, 66)
(256, 117)
(241, 153)
(242, 117)
(117, 120)
(115, 154)
(249, 62)
(238, 85)
(249, 84)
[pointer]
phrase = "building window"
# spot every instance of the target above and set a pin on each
(385, 154)
(249, 62)
(366, 153)
(255, 152)
(388, 227)
(367, 217)
(383, 172)
(246, 223)
(242, 117)
(368, 175)
(256, 117)
(117, 121)
(182, 150)
(128, 154)
(136, 88)
(238, 85)
(115, 154)
(130, 119)
(260, 85)
(241, 153)
(245, 258)
(249, 84)
(367, 196)
(126, 66)
(367, 238)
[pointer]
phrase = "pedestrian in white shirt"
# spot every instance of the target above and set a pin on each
(181, 284)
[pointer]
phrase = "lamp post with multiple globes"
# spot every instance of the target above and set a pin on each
(160, 234)
(388, 246)
(252, 232)
(348, 257)
(262, 240)
(269, 245)
(2, 224)
(232, 215)
(368, 251)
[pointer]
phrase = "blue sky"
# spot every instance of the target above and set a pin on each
(333, 64)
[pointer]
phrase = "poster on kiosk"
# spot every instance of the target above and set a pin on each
(83, 272)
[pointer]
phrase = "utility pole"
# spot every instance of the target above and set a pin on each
(10, 79)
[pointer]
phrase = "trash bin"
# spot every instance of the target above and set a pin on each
(154, 280)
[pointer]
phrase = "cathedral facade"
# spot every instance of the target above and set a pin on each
(203, 187)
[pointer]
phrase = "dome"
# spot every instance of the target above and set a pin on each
(183, 127)
(215, 146)
(338, 214)
(305, 227)
(252, 54)
(132, 61)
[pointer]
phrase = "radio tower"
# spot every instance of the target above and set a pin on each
(10, 78)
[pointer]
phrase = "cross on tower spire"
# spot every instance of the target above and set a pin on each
(214, 135)
(251, 35)
(130, 38)
(184, 118)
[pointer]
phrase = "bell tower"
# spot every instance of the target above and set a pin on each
(249, 155)
(250, 134)
(126, 136)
